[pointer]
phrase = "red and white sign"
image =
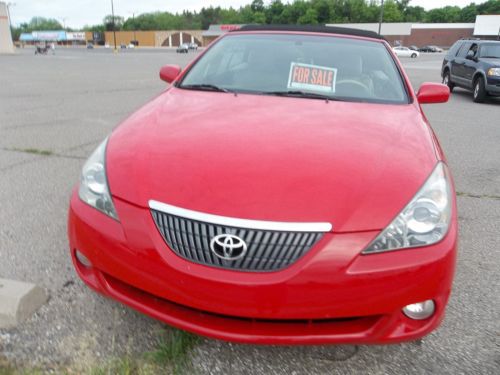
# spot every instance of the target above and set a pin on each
(230, 27)
(312, 78)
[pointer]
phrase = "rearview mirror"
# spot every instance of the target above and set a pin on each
(430, 92)
(169, 73)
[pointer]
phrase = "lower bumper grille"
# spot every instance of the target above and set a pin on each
(266, 250)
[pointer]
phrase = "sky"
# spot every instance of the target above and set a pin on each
(76, 13)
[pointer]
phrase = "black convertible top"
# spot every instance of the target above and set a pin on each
(313, 29)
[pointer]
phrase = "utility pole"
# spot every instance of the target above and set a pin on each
(381, 19)
(133, 21)
(113, 23)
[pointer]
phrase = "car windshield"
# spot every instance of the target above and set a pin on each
(309, 66)
(490, 50)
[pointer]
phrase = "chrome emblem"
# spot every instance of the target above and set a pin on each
(228, 246)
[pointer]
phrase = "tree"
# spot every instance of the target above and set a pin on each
(94, 28)
(41, 23)
(392, 12)
(489, 7)
(469, 13)
(274, 12)
(210, 16)
(109, 25)
(257, 6)
(415, 14)
(322, 7)
(285, 12)
(309, 18)
(402, 5)
(259, 17)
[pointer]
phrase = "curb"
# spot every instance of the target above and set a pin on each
(18, 301)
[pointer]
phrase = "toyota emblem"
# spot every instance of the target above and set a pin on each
(228, 246)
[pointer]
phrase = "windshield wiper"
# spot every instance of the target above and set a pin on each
(205, 87)
(301, 94)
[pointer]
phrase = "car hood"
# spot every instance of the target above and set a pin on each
(491, 60)
(355, 165)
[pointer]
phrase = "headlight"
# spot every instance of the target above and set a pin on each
(494, 72)
(424, 221)
(94, 183)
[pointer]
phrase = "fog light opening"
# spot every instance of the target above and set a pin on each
(82, 259)
(420, 310)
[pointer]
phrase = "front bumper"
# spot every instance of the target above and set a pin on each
(493, 85)
(331, 295)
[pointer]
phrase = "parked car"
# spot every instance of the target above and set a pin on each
(193, 46)
(183, 48)
(473, 65)
(90, 46)
(413, 48)
(131, 45)
(107, 46)
(123, 46)
(430, 49)
(267, 198)
(405, 52)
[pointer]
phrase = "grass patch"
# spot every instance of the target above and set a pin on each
(127, 366)
(34, 151)
(174, 350)
(6, 369)
(170, 357)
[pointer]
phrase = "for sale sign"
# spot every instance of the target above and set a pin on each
(312, 78)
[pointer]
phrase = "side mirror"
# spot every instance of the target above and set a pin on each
(169, 73)
(430, 92)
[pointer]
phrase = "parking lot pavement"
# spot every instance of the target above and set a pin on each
(54, 110)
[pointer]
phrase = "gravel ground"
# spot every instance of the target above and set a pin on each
(67, 103)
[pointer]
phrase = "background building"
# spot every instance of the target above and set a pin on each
(215, 31)
(397, 33)
(440, 34)
(419, 34)
(60, 37)
(166, 38)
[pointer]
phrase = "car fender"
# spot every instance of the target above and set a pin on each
(476, 75)
(444, 67)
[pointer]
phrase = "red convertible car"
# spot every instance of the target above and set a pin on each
(286, 188)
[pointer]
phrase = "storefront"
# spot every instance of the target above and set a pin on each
(215, 31)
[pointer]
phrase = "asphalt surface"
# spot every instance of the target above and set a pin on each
(68, 102)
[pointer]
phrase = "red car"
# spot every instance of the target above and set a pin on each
(285, 189)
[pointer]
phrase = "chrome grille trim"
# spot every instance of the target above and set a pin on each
(320, 227)
(267, 249)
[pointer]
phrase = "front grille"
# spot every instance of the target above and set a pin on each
(267, 250)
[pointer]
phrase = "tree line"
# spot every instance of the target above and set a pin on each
(279, 12)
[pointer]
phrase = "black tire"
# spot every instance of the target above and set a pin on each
(447, 80)
(479, 91)
(413, 55)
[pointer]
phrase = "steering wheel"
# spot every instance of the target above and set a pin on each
(352, 81)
